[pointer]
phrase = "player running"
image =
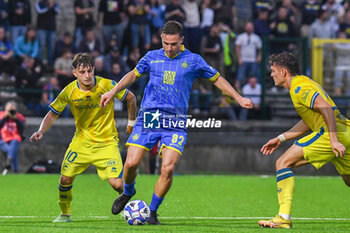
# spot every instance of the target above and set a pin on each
(329, 140)
(96, 138)
(172, 71)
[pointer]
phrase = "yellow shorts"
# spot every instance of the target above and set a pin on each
(318, 151)
(80, 156)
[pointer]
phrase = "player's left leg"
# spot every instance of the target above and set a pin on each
(293, 157)
(117, 184)
(65, 194)
(346, 179)
(169, 161)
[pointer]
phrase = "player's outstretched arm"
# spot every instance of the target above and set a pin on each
(226, 87)
(131, 101)
(127, 80)
(297, 130)
(326, 110)
(45, 124)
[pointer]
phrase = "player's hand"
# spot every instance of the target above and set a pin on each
(246, 103)
(270, 146)
(36, 136)
(105, 98)
(338, 149)
(129, 129)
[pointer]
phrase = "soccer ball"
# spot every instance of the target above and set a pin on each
(137, 212)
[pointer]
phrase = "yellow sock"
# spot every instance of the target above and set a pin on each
(65, 194)
(285, 185)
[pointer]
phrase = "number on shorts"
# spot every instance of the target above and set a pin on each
(177, 139)
(71, 156)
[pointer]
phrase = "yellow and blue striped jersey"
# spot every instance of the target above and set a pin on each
(93, 124)
(303, 92)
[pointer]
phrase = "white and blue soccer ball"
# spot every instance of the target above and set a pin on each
(137, 212)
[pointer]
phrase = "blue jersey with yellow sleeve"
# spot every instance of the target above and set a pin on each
(304, 92)
(93, 124)
(170, 82)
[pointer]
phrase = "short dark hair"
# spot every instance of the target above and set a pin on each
(82, 59)
(286, 60)
(172, 28)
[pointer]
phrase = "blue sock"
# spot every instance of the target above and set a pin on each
(155, 203)
(129, 189)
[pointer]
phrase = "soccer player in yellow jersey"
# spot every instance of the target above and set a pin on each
(329, 140)
(96, 138)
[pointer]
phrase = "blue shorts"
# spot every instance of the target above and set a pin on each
(174, 139)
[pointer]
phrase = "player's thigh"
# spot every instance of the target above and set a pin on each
(293, 157)
(108, 161)
(76, 160)
(170, 158)
(342, 164)
(316, 148)
(174, 140)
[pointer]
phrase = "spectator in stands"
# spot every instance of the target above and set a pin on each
(158, 15)
(344, 31)
(111, 18)
(66, 42)
(309, 10)
(46, 28)
(262, 24)
(113, 42)
(212, 48)
(4, 14)
(90, 44)
(6, 53)
(84, 18)
(27, 45)
(20, 17)
(323, 27)
(207, 16)
(63, 68)
(226, 12)
(156, 42)
(230, 57)
(192, 30)
(174, 11)
(291, 8)
(49, 94)
(342, 68)
(11, 131)
(258, 5)
(282, 27)
(139, 14)
(251, 90)
(334, 10)
(114, 57)
(133, 58)
(248, 51)
(99, 67)
(27, 76)
(201, 96)
(116, 73)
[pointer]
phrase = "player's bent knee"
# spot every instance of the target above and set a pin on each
(167, 171)
(281, 163)
(65, 180)
(131, 165)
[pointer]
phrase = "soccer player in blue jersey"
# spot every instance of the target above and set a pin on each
(172, 71)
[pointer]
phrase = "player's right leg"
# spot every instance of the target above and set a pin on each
(65, 194)
(293, 157)
(346, 179)
(133, 159)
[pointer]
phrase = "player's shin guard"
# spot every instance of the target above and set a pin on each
(285, 185)
(65, 193)
(155, 203)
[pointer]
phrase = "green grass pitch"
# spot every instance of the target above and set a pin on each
(203, 203)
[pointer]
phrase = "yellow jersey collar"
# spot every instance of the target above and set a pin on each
(182, 48)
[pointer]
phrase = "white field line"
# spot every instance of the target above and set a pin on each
(209, 218)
